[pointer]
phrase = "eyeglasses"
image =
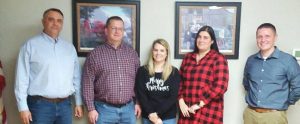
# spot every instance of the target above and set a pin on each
(114, 29)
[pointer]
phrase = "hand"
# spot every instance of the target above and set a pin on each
(153, 117)
(184, 108)
(93, 116)
(159, 121)
(193, 108)
(26, 117)
(137, 110)
(78, 111)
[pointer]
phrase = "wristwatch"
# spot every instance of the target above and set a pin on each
(201, 103)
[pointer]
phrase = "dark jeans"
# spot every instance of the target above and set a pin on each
(46, 112)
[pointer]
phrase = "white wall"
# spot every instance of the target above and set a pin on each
(21, 20)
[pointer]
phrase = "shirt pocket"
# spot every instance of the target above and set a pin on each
(38, 60)
(278, 74)
(129, 67)
(67, 63)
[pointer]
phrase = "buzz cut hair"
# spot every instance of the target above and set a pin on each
(53, 9)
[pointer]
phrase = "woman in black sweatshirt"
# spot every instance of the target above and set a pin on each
(157, 85)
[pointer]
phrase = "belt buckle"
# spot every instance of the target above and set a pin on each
(119, 105)
(55, 100)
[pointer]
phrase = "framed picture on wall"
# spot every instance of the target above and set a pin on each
(223, 17)
(296, 54)
(89, 18)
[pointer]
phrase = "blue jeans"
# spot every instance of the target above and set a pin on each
(114, 115)
(45, 112)
(167, 121)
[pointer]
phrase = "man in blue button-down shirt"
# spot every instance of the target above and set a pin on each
(48, 73)
(271, 79)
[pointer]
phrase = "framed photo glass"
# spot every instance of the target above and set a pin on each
(223, 17)
(89, 17)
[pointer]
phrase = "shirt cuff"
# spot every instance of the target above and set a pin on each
(22, 105)
(292, 102)
(91, 107)
(78, 100)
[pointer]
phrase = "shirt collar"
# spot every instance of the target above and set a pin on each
(275, 54)
(50, 39)
(207, 54)
(108, 45)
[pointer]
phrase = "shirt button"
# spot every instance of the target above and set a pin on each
(261, 80)
(262, 70)
(258, 101)
(259, 90)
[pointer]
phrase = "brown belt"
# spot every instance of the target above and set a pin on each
(261, 110)
(54, 100)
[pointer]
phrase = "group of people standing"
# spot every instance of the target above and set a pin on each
(116, 89)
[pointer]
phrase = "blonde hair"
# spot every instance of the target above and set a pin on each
(167, 69)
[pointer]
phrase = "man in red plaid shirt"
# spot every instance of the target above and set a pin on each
(108, 78)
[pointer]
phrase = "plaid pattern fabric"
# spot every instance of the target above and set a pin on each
(2, 85)
(206, 80)
(109, 75)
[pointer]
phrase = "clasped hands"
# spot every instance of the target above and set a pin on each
(186, 110)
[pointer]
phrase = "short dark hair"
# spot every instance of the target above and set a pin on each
(53, 9)
(108, 21)
(267, 25)
(211, 33)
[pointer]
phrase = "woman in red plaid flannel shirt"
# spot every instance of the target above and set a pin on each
(204, 74)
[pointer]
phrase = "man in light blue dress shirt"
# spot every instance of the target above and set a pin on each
(271, 80)
(48, 74)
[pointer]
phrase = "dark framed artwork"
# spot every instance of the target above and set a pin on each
(223, 17)
(89, 18)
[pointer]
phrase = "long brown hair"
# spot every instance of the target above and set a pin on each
(211, 33)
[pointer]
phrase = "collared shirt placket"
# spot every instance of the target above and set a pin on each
(261, 84)
(119, 74)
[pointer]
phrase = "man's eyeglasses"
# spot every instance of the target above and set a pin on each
(114, 29)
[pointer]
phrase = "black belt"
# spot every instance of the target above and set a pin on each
(54, 100)
(117, 105)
